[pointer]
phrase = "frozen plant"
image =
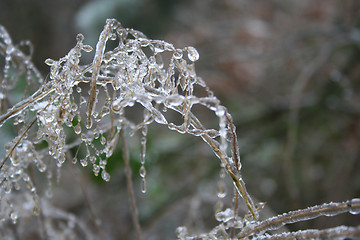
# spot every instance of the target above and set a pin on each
(90, 99)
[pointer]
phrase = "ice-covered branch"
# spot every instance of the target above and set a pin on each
(327, 209)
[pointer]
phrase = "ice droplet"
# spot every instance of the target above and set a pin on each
(8, 187)
(355, 206)
(36, 207)
(193, 54)
(77, 129)
(96, 133)
(49, 62)
(175, 100)
(13, 217)
(96, 169)
(181, 232)
(225, 216)
(220, 111)
(142, 171)
(105, 175)
(83, 162)
(143, 185)
(179, 129)
(61, 160)
(87, 48)
(221, 194)
(103, 140)
(178, 54)
(159, 118)
(158, 48)
(92, 159)
(80, 37)
(89, 123)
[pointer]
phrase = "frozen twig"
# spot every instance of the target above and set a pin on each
(327, 209)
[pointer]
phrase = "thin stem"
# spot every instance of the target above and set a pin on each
(235, 149)
(130, 186)
(100, 48)
(238, 182)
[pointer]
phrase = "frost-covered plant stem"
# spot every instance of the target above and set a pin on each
(327, 209)
(340, 232)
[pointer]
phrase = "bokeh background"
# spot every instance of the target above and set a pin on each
(288, 72)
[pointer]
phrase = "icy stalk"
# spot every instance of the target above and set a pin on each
(132, 72)
(327, 209)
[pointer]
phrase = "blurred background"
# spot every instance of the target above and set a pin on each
(288, 72)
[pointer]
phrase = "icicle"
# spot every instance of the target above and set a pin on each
(105, 175)
(221, 192)
(77, 129)
(143, 158)
(220, 112)
(96, 169)
(49, 190)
